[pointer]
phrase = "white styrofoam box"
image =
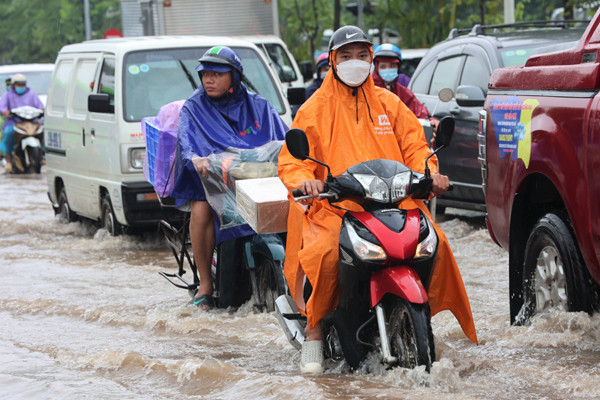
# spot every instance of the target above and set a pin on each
(263, 203)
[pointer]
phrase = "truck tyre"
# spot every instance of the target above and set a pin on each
(65, 215)
(109, 220)
(554, 275)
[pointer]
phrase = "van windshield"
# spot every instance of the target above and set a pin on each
(157, 77)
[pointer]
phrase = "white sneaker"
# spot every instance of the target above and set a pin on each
(311, 359)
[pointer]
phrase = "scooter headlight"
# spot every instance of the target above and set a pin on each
(364, 249)
(375, 188)
(400, 185)
(426, 247)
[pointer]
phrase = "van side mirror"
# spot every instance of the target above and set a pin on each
(470, 96)
(296, 95)
(100, 103)
(307, 70)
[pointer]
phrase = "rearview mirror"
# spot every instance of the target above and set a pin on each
(100, 103)
(307, 70)
(297, 143)
(296, 95)
(470, 96)
(444, 132)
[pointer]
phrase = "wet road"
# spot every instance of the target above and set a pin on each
(86, 315)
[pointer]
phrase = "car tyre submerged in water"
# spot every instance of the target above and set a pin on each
(554, 274)
(109, 220)
(411, 337)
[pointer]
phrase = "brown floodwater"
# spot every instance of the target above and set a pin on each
(86, 315)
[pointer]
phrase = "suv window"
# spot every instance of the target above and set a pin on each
(420, 83)
(446, 74)
(475, 73)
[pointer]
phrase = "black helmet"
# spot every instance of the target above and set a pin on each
(348, 34)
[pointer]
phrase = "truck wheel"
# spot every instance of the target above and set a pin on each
(554, 275)
(65, 215)
(409, 330)
(270, 283)
(109, 220)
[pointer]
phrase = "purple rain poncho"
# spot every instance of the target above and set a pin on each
(11, 99)
(241, 119)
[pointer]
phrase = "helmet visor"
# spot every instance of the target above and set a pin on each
(204, 66)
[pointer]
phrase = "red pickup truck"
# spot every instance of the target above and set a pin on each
(539, 148)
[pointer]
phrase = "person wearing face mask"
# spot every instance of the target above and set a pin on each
(349, 120)
(19, 96)
(322, 68)
(221, 113)
(387, 61)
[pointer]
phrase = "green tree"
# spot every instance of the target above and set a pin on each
(35, 30)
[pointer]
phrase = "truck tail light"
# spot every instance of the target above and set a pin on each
(482, 157)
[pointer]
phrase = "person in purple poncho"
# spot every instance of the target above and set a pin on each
(221, 113)
(20, 95)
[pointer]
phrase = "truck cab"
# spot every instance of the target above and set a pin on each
(539, 142)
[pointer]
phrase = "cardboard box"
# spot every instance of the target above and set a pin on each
(263, 203)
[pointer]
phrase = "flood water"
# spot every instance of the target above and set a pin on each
(86, 316)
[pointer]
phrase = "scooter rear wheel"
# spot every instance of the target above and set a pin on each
(270, 283)
(409, 330)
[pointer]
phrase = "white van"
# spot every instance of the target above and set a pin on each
(282, 60)
(100, 91)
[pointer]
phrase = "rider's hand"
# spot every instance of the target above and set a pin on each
(440, 184)
(6, 113)
(201, 164)
(312, 187)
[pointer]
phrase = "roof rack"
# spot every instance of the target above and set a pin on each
(478, 29)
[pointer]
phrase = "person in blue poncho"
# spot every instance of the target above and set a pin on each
(221, 113)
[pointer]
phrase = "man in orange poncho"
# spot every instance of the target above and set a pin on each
(349, 120)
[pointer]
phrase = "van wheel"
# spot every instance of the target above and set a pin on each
(554, 274)
(109, 220)
(65, 215)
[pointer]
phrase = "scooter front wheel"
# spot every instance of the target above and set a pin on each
(410, 334)
(34, 154)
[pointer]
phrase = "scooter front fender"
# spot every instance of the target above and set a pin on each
(30, 141)
(401, 281)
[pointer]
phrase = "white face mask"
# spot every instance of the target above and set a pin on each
(353, 72)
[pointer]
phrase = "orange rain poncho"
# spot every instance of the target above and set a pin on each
(344, 129)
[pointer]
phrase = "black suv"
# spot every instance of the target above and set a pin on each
(464, 64)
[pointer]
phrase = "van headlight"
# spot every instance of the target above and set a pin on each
(378, 190)
(136, 157)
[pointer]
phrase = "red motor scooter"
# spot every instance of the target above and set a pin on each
(386, 258)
